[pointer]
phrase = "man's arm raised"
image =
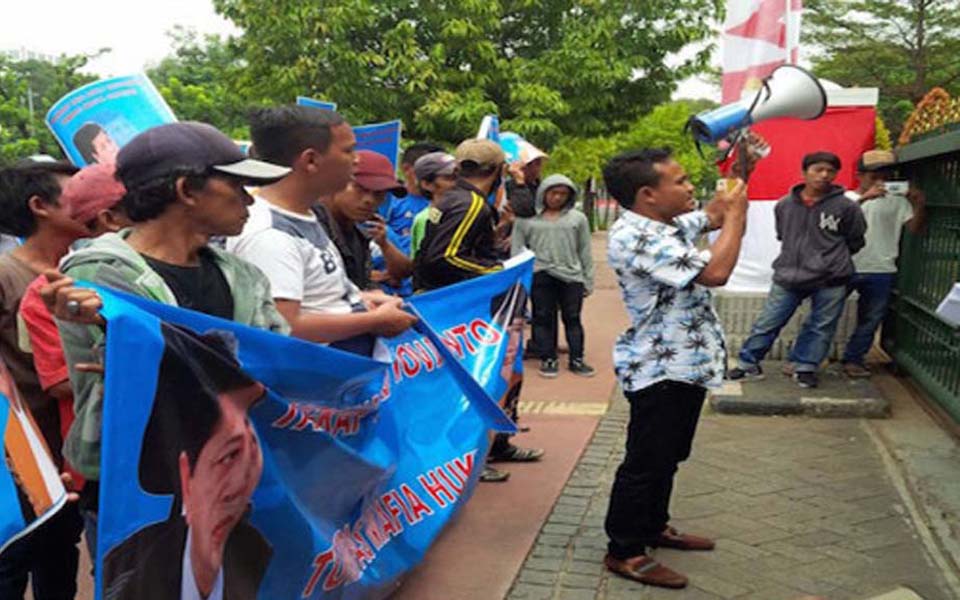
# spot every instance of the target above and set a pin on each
(726, 249)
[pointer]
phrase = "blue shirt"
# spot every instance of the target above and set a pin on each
(399, 213)
(674, 333)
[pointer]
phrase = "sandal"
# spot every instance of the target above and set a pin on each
(517, 454)
(491, 475)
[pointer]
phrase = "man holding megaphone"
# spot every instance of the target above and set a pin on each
(673, 350)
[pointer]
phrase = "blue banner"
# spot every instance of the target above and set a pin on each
(268, 467)
(304, 101)
(93, 122)
(30, 488)
(383, 138)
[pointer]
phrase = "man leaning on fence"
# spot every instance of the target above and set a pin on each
(887, 211)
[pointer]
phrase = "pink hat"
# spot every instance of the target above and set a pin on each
(91, 190)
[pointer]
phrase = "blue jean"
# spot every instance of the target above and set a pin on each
(875, 290)
(816, 333)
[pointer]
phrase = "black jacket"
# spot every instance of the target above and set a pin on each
(817, 242)
(459, 241)
(353, 246)
(148, 565)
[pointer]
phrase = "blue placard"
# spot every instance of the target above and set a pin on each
(383, 138)
(304, 101)
(92, 123)
(356, 465)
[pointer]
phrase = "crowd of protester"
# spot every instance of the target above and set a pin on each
(304, 236)
(311, 238)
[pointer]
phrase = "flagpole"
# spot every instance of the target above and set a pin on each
(790, 33)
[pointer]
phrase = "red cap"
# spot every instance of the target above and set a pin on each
(91, 190)
(374, 172)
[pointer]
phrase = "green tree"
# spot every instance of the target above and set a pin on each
(903, 47)
(583, 158)
(548, 67)
(28, 89)
(199, 81)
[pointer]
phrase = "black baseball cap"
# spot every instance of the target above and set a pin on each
(189, 145)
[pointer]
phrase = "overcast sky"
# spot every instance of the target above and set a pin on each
(136, 30)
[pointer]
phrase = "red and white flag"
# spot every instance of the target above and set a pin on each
(758, 36)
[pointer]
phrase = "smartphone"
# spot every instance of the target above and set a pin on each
(364, 228)
(898, 188)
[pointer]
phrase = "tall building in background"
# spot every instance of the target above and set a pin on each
(758, 36)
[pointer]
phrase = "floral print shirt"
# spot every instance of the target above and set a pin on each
(674, 333)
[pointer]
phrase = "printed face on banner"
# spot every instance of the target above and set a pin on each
(507, 312)
(93, 122)
(217, 489)
(199, 446)
(333, 483)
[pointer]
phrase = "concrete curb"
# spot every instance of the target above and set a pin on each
(777, 394)
(822, 407)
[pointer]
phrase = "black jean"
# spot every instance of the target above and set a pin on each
(50, 554)
(663, 420)
(550, 295)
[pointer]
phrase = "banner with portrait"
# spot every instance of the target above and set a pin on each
(93, 122)
(243, 464)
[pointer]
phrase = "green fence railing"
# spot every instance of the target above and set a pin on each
(920, 341)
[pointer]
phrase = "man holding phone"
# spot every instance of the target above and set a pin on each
(352, 222)
(888, 206)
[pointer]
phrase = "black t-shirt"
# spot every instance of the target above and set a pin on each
(202, 288)
(353, 246)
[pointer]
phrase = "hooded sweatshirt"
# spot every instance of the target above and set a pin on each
(110, 261)
(562, 245)
(817, 242)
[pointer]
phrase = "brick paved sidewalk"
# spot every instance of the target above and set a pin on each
(798, 506)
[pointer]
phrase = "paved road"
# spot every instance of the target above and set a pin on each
(798, 506)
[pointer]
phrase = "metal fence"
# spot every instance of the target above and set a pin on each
(921, 342)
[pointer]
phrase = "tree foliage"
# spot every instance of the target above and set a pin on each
(583, 158)
(548, 67)
(903, 47)
(38, 83)
(199, 81)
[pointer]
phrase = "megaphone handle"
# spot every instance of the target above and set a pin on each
(743, 155)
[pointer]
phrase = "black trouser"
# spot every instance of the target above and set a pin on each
(663, 419)
(550, 295)
(49, 554)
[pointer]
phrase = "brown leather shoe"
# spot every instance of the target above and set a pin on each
(646, 570)
(671, 538)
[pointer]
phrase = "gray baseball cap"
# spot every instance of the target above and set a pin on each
(434, 164)
(189, 145)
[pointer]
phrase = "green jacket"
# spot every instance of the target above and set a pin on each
(110, 262)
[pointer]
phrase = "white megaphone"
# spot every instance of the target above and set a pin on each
(789, 91)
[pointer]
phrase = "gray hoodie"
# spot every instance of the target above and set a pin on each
(562, 245)
(817, 242)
